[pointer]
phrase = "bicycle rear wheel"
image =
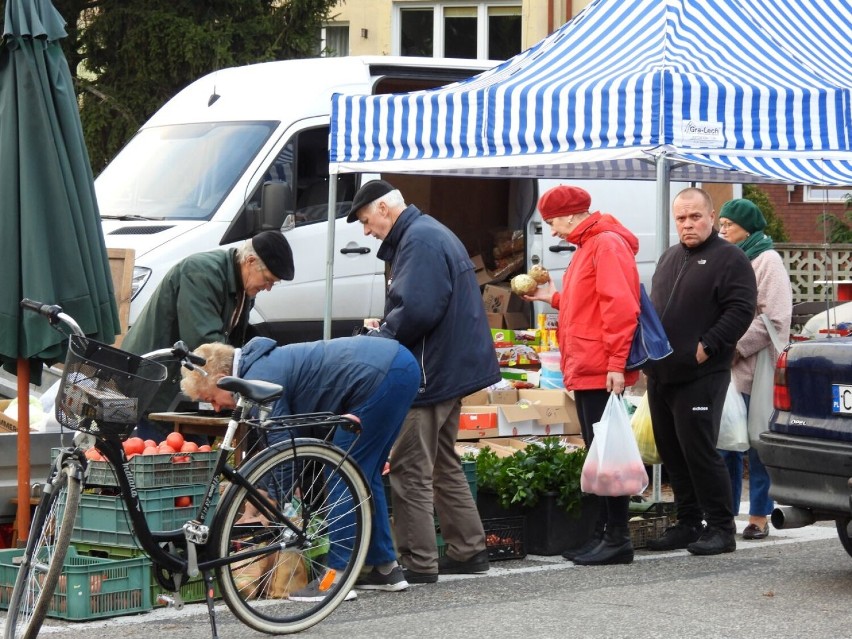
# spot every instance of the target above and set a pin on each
(41, 563)
(327, 500)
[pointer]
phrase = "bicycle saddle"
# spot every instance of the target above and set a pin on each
(253, 389)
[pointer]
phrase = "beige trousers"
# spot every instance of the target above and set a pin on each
(426, 477)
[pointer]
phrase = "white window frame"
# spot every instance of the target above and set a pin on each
(827, 194)
(438, 7)
(324, 37)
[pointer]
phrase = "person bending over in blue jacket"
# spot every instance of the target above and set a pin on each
(372, 380)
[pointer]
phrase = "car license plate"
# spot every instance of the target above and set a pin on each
(841, 399)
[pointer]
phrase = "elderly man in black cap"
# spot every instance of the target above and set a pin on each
(434, 308)
(206, 297)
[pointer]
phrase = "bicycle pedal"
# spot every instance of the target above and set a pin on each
(170, 601)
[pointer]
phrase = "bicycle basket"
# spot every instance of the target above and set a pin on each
(104, 390)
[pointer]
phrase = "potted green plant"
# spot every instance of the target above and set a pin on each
(541, 482)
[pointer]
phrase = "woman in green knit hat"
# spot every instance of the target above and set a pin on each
(742, 223)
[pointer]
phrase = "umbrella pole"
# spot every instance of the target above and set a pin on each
(23, 516)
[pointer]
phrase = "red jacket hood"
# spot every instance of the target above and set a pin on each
(599, 222)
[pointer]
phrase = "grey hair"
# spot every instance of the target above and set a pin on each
(246, 251)
(392, 199)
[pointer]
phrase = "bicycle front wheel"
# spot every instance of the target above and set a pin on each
(307, 573)
(41, 563)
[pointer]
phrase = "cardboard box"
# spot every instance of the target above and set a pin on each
(483, 277)
(502, 337)
(477, 398)
(7, 424)
(499, 299)
(476, 422)
(503, 396)
(478, 418)
(512, 320)
(513, 419)
(517, 374)
(557, 412)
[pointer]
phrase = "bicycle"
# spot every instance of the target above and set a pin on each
(309, 496)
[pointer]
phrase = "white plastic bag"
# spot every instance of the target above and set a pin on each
(613, 466)
(733, 431)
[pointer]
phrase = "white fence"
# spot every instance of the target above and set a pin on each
(808, 264)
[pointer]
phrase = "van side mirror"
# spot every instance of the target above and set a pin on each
(276, 200)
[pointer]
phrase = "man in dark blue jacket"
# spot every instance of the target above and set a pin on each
(435, 309)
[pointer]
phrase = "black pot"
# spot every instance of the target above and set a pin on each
(549, 529)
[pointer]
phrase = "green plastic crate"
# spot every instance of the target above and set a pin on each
(155, 471)
(89, 587)
(103, 519)
(190, 592)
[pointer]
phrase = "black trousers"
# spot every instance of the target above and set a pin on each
(686, 421)
(590, 405)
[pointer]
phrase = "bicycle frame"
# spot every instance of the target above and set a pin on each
(194, 532)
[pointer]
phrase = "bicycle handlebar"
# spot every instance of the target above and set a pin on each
(52, 312)
(55, 315)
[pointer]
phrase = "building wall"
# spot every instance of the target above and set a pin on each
(370, 27)
(800, 217)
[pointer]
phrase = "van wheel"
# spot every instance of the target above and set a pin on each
(843, 534)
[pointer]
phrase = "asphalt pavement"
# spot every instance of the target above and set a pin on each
(796, 583)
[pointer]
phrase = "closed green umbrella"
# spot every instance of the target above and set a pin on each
(51, 242)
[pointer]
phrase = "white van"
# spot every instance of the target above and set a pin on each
(245, 149)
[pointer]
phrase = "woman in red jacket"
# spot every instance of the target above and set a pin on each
(598, 312)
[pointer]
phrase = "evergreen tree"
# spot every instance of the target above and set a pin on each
(837, 229)
(128, 57)
(774, 224)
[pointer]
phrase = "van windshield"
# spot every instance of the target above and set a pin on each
(182, 171)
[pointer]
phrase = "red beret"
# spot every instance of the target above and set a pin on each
(561, 201)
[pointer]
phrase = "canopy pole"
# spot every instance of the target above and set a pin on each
(22, 521)
(329, 253)
(663, 197)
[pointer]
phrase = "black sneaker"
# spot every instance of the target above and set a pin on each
(394, 581)
(414, 577)
(714, 541)
(478, 563)
(676, 537)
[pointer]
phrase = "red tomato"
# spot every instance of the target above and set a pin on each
(204, 448)
(189, 447)
(165, 448)
(151, 450)
(94, 455)
(183, 502)
(133, 446)
(150, 442)
(175, 440)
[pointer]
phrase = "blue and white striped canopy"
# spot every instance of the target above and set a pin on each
(731, 90)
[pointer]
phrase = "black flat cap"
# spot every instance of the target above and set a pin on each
(369, 192)
(274, 249)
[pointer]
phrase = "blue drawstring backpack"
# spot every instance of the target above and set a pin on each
(649, 340)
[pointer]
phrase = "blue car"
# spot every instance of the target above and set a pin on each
(808, 448)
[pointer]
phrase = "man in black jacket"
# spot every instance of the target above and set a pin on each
(435, 309)
(705, 293)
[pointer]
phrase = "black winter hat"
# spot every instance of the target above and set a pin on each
(369, 192)
(274, 249)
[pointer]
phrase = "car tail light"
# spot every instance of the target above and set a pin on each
(780, 391)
